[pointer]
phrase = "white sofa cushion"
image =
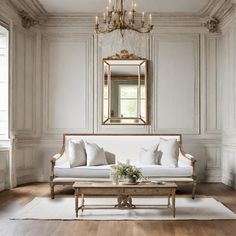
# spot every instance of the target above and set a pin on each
(65, 171)
(95, 155)
(150, 156)
(166, 171)
(122, 146)
(169, 149)
(77, 155)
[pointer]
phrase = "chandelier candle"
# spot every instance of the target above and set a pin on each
(117, 17)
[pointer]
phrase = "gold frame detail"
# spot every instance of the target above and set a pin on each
(124, 56)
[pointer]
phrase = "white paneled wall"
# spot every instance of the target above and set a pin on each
(24, 103)
(56, 89)
(24, 81)
(4, 169)
(67, 83)
(228, 73)
(176, 84)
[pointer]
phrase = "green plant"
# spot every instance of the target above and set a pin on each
(122, 170)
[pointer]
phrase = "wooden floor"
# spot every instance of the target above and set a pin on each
(11, 201)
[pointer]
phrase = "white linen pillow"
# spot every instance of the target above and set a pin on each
(169, 149)
(150, 156)
(95, 155)
(77, 155)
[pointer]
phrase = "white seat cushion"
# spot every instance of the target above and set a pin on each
(104, 171)
(64, 170)
(159, 170)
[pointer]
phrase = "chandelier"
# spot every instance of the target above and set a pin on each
(117, 18)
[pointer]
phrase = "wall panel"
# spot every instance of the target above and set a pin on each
(24, 82)
(176, 84)
(67, 83)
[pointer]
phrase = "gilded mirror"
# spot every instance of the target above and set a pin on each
(124, 90)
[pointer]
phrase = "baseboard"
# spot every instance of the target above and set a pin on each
(228, 181)
(26, 179)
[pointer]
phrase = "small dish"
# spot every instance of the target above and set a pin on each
(159, 182)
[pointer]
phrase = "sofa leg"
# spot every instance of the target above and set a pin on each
(194, 188)
(52, 190)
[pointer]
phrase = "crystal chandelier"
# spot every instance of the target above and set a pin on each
(117, 18)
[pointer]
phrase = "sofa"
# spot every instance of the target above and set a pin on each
(120, 148)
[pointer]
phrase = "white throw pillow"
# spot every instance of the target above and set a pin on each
(150, 156)
(77, 155)
(169, 149)
(95, 155)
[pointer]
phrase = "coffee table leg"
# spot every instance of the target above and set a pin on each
(169, 195)
(76, 201)
(82, 202)
(173, 201)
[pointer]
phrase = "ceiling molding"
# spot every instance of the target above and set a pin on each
(216, 9)
(87, 20)
(33, 8)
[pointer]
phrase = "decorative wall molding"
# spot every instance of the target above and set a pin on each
(101, 51)
(78, 40)
(192, 39)
(27, 20)
(228, 72)
(213, 85)
(4, 169)
(212, 24)
(24, 117)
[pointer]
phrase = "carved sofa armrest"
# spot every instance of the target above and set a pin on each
(188, 159)
(53, 163)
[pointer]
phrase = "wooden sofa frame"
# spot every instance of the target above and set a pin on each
(190, 158)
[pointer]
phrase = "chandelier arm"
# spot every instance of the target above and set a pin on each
(118, 18)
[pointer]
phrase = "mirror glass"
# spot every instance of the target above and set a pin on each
(124, 91)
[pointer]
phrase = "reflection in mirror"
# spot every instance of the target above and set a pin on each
(124, 91)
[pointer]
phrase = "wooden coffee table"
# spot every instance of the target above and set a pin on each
(124, 194)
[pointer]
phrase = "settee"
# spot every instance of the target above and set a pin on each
(120, 148)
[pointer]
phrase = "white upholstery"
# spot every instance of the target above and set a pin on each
(169, 152)
(95, 155)
(77, 155)
(121, 148)
(124, 147)
(150, 156)
(64, 170)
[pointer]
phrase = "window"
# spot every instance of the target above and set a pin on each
(4, 64)
(128, 101)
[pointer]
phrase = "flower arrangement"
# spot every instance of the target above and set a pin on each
(126, 171)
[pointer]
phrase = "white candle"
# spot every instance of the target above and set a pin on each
(96, 20)
(150, 19)
(109, 4)
(132, 6)
(143, 17)
(104, 16)
(130, 15)
(107, 10)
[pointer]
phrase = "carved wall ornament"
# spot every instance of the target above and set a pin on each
(212, 24)
(27, 20)
(124, 55)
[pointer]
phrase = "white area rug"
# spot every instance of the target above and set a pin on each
(186, 209)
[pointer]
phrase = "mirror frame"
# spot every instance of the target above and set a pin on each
(124, 56)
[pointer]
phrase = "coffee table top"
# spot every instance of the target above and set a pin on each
(121, 185)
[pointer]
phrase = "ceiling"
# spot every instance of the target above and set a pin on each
(93, 6)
